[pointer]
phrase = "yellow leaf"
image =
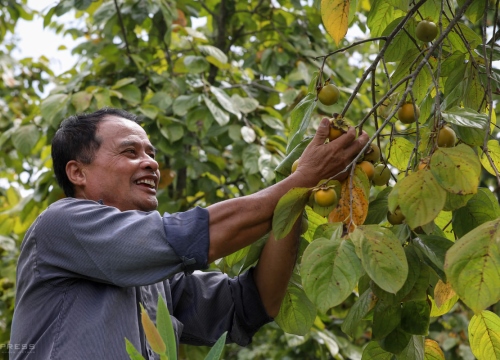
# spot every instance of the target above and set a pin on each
(152, 335)
(335, 15)
(432, 350)
(442, 293)
(484, 335)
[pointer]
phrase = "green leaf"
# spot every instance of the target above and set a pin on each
(415, 350)
(396, 341)
(25, 138)
(219, 115)
(433, 249)
(457, 169)
(472, 266)
(272, 122)
(225, 101)
(380, 16)
(454, 201)
(131, 94)
(196, 64)
(132, 352)
(213, 51)
(53, 108)
(297, 312)
(482, 207)
(386, 317)
(215, 352)
(382, 256)
(165, 328)
(415, 317)
(329, 231)
(288, 210)
(299, 120)
(470, 136)
(401, 43)
(330, 270)
(172, 132)
(453, 62)
(122, 82)
(466, 117)
(357, 313)
(421, 285)
(475, 11)
(373, 351)
(244, 104)
(484, 335)
(398, 153)
(420, 198)
(81, 101)
(377, 209)
(150, 111)
(494, 152)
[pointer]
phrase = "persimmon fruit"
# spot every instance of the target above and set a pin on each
(406, 114)
(367, 168)
(329, 94)
(381, 175)
(372, 154)
(446, 137)
(325, 197)
(426, 31)
(396, 217)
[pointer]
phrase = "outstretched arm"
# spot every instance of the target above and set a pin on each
(239, 222)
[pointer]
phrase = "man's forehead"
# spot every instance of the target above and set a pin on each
(118, 125)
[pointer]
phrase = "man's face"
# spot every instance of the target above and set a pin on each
(124, 173)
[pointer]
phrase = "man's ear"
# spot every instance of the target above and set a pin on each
(76, 173)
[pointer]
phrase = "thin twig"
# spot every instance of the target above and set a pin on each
(120, 20)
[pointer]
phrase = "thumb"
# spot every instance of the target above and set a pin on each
(322, 132)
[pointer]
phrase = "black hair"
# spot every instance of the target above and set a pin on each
(76, 140)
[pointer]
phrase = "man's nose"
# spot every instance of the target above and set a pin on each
(149, 163)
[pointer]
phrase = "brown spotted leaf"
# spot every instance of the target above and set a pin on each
(359, 196)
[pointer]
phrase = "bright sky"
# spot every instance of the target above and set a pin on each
(35, 41)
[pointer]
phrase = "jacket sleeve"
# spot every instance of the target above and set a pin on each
(85, 239)
(210, 303)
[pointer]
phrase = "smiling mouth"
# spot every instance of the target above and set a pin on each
(146, 182)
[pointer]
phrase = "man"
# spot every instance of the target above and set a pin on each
(89, 260)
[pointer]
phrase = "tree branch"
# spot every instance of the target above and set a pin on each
(122, 26)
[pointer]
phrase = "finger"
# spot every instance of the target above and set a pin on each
(357, 145)
(322, 132)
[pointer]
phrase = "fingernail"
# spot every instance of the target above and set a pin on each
(324, 123)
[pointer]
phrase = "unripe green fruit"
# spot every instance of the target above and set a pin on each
(372, 154)
(446, 137)
(395, 218)
(381, 175)
(426, 31)
(329, 94)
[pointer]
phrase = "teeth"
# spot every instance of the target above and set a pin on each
(146, 181)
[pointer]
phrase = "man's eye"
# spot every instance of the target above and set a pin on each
(152, 155)
(131, 151)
